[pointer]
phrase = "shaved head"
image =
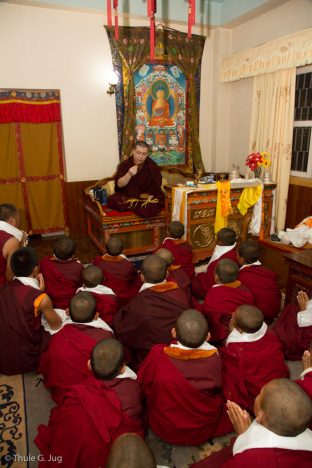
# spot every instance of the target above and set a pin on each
(82, 308)
(248, 318)
(130, 451)
(166, 255)
(154, 269)
(287, 409)
(114, 246)
(107, 359)
(92, 276)
(226, 236)
(176, 229)
(227, 270)
(249, 251)
(191, 328)
(64, 248)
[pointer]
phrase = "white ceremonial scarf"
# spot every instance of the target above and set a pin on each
(220, 250)
(205, 345)
(150, 285)
(99, 289)
(66, 320)
(28, 281)
(305, 372)
(236, 337)
(17, 233)
(127, 374)
(257, 263)
(257, 436)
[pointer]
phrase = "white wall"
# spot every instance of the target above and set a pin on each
(57, 49)
(293, 16)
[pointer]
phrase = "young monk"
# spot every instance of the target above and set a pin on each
(150, 316)
(93, 413)
(106, 300)
(225, 248)
(260, 281)
(252, 356)
(65, 361)
(175, 273)
(278, 437)
(180, 249)
(185, 376)
(22, 302)
(11, 238)
(294, 327)
(119, 272)
(62, 272)
(223, 298)
(130, 451)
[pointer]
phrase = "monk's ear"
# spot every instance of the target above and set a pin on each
(67, 312)
(142, 278)
(96, 316)
(35, 271)
(208, 336)
(173, 333)
(216, 278)
(260, 418)
(122, 370)
(89, 365)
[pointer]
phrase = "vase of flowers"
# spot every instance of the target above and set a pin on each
(260, 163)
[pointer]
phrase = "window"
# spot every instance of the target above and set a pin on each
(301, 161)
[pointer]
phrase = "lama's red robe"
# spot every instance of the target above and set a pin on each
(62, 278)
(92, 415)
(146, 181)
(247, 367)
(262, 283)
(22, 338)
(182, 253)
(183, 394)
(220, 303)
(295, 339)
(119, 275)
(205, 280)
(65, 361)
(4, 237)
(149, 318)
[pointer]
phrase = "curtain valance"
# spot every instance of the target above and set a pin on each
(294, 50)
(29, 106)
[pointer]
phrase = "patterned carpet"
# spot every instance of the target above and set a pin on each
(13, 434)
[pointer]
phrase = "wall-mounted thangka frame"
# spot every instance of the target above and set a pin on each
(160, 111)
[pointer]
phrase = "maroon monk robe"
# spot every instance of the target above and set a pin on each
(61, 278)
(90, 418)
(205, 280)
(257, 458)
(179, 276)
(306, 383)
(295, 339)
(220, 303)
(247, 367)
(4, 237)
(65, 361)
(119, 275)
(183, 393)
(22, 337)
(149, 318)
(182, 253)
(262, 283)
(146, 181)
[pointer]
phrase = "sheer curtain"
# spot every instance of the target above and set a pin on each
(272, 128)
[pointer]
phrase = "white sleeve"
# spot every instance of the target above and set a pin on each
(304, 318)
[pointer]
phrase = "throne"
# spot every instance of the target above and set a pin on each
(139, 235)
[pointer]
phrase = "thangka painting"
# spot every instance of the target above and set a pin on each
(160, 106)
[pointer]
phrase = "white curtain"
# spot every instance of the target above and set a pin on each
(272, 129)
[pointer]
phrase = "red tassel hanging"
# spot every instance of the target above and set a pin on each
(109, 12)
(116, 20)
(193, 12)
(151, 10)
(189, 21)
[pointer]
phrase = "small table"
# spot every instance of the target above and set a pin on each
(299, 274)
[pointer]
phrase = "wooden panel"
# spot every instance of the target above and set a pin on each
(77, 221)
(299, 204)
